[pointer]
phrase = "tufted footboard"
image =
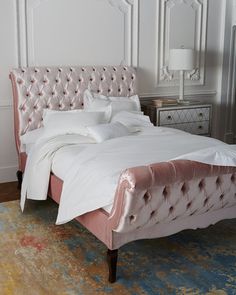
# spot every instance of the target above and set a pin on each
(164, 198)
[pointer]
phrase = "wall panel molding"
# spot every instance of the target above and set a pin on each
(130, 14)
(169, 12)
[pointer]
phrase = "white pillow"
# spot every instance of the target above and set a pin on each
(95, 101)
(132, 119)
(104, 132)
(72, 123)
(47, 113)
(32, 136)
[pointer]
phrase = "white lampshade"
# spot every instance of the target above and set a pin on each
(181, 59)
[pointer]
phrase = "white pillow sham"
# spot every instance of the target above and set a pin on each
(104, 132)
(32, 136)
(47, 113)
(72, 123)
(93, 101)
(132, 119)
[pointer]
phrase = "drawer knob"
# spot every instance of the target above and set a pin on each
(169, 117)
(199, 127)
(200, 114)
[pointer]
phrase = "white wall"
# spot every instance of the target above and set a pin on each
(133, 32)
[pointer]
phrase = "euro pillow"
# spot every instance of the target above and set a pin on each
(47, 113)
(104, 132)
(132, 120)
(72, 123)
(93, 101)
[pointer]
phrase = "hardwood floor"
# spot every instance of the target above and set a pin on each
(9, 192)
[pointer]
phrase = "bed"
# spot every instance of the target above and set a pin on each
(150, 201)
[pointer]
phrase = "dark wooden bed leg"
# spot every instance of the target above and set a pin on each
(19, 176)
(112, 256)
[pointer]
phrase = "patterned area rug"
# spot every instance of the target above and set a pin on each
(37, 257)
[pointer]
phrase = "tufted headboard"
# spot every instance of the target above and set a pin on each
(62, 88)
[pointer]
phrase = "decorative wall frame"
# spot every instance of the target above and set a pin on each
(166, 10)
(129, 9)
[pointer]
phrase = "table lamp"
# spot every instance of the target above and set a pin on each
(182, 60)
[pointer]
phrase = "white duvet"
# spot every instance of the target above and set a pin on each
(91, 181)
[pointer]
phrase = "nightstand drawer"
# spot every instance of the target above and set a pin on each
(177, 116)
(198, 128)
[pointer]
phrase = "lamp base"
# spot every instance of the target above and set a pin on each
(187, 102)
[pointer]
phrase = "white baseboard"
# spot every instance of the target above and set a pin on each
(8, 174)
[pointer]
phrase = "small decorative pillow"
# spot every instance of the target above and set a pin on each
(132, 119)
(104, 132)
(95, 101)
(72, 123)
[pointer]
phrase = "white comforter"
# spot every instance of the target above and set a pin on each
(92, 179)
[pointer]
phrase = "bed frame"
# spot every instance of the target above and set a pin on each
(151, 201)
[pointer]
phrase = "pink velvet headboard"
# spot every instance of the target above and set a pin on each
(62, 88)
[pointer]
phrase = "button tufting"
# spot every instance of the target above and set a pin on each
(201, 184)
(68, 79)
(184, 188)
(171, 209)
(98, 91)
(189, 205)
(132, 218)
(218, 181)
(221, 197)
(47, 70)
(122, 78)
(76, 91)
(53, 92)
(152, 213)
(205, 201)
(147, 197)
(165, 192)
(232, 178)
(91, 79)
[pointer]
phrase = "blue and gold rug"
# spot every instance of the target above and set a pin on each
(37, 257)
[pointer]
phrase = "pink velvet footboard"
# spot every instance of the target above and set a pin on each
(159, 200)
(164, 198)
